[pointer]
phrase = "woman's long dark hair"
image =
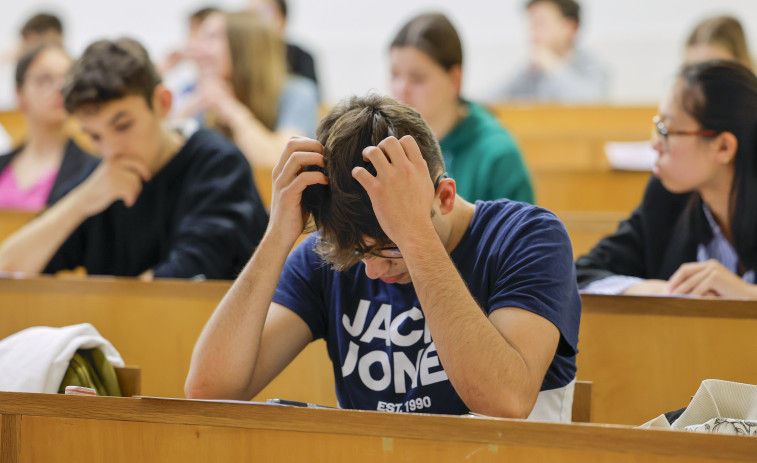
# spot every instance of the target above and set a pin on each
(722, 96)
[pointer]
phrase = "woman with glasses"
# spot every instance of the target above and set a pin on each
(35, 174)
(427, 65)
(695, 232)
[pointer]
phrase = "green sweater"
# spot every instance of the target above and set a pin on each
(484, 160)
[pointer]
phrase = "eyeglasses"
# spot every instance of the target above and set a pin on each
(390, 252)
(46, 81)
(663, 132)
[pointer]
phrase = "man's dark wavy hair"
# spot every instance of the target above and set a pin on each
(109, 70)
(342, 210)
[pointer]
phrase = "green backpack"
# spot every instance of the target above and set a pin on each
(90, 368)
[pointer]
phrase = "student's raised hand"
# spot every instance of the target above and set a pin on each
(290, 179)
(401, 193)
(709, 278)
(545, 59)
(217, 95)
(116, 179)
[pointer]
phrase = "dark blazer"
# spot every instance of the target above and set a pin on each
(76, 166)
(661, 234)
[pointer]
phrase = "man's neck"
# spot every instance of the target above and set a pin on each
(460, 219)
(171, 143)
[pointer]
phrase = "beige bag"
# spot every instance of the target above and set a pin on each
(719, 407)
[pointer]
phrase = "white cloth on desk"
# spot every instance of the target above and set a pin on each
(36, 359)
(718, 407)
(554, 405)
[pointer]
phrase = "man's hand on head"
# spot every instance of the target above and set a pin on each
(401, 193)
(290, 178)
(115, 179)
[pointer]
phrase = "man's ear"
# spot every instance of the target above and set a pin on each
(162, 99)
(446, 192)
(726, 144)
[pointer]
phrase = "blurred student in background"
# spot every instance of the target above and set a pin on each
(299, 61)
(427, 70)
(694, 232)
(179, 69)
(42, 27)
(721, 37)
(162, 203)
(244, 89)
(35, 174)
(557, 71)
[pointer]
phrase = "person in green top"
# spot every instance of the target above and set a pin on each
(426, 61)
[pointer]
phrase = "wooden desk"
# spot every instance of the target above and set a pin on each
(563, 147)
(56, 428)
(587, 228)
(10, 221)
(154, 325)
(645, 356)
(648, 355)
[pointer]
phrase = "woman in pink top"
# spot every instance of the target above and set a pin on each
(36, 173)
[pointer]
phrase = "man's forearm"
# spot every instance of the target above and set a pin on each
(30, 249)
(487, 372)
(225, 354)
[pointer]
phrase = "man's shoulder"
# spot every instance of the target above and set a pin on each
(512, 224)
(513, 214)
(207, 148)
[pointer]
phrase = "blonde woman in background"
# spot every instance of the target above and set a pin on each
(720, 37)
(245, 91)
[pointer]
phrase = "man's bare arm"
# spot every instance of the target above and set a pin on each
(496, 364)
(248, 340)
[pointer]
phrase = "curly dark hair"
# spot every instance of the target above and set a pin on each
(108, 70)
(342, 210)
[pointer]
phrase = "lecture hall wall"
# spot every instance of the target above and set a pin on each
(641, 40)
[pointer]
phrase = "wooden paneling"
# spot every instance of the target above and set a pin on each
(57, 428)
(648, 355)
(587, 228)
(154, 325)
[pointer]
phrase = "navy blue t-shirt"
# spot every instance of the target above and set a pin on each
(512, 255)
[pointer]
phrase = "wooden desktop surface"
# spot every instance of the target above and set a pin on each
(58, 428)
(645, 356)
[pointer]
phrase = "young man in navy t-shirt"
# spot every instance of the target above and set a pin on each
(427, 303)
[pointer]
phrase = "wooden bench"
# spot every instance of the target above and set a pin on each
(152, 324)
(648, 355)
(57, 428)
(563, 147)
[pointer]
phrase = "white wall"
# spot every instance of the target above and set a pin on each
(641, 40)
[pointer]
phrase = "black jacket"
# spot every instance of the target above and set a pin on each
(199, 215)
(75, 167)
(661, 234)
